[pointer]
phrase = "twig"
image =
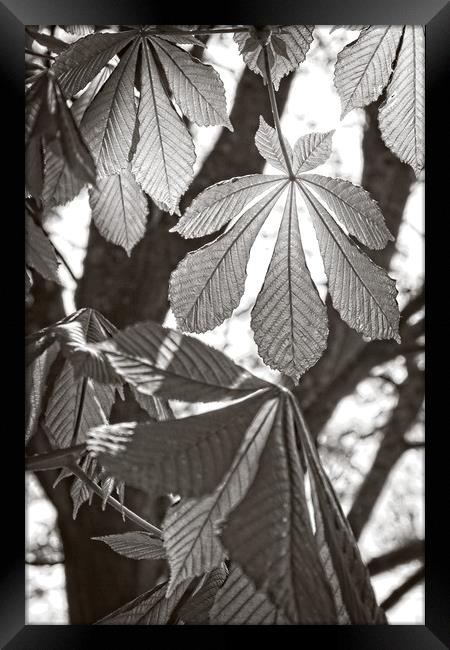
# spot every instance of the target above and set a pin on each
(66, 458)
(415, 445)
(44, 562)
(54, 459)
(276, 117)
(406, 586)
(412, 550)
(132, 516)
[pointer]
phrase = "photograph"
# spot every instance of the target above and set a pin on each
(225, 326)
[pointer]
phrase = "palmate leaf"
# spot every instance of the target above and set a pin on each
(241, 469)
(94, 327)
(269, 533)
(40, 107)
(108, 123)
(375, 62)
(84, 59)
(61, 185)
(82, 101)
(119, 209)
(363, 294)
(288, 545)
(311, 151)
(37, 342)
(219, 203)
(188, 456)
(402, 116)
(347, 575)
(288, 48)
(352, 206)
(39, 252)
(363, 68)
(165, 363)
(154, 138)
(268, 145)
(136, 545)
(164, 140)
(78, 336)
(71, 143)
(76, 405)
(216, 271)
(289, 319)
(197, 88)
(77, 402)
(239, 603)
(191, 529)
(49, 124)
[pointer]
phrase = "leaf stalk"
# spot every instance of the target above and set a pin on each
(132, 516)
(275, 114)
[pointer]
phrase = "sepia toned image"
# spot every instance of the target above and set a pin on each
(224, 292)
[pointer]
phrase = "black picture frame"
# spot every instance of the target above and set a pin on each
(14, 14)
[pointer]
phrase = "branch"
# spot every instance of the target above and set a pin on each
(44, 562)
(54, 459)
(413, 550)
(406, 586)
(320, 408)
(66, 458)
(392, 447)
(132, 516)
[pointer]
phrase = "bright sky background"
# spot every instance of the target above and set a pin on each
(313, 105)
